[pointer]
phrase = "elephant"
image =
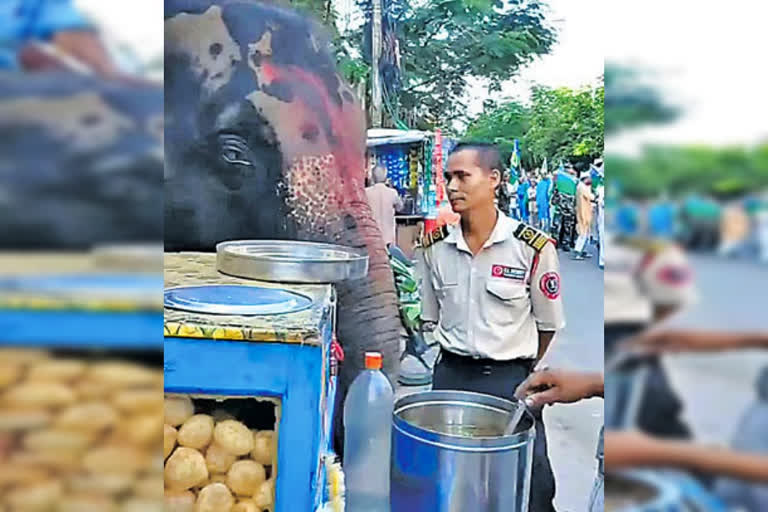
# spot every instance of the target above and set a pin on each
(265, 140)
(81, 161)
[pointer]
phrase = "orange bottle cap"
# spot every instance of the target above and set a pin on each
(373, 361)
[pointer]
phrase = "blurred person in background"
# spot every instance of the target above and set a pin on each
(734, 230)
(600, 199)
(584, 215)
(503, 193)
(522, 196)
(761, 221)
(661, 219)
(38, 35)
(543, 196)
(384, 202)
(514, 205)
(627, 218)
(533, 212)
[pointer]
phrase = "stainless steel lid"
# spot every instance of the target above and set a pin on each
(129, 257)
(235, 300)
(289, 261)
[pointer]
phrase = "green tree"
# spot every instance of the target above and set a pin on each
(445, 42)
(501, 124)
(720, 172)
(566, 124)
(353, 68)
(630, 103)
(559, 124)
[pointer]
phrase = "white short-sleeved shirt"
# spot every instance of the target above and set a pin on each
(640, 275)
(494, 304)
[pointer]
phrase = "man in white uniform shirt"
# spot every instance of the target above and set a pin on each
(492, 285)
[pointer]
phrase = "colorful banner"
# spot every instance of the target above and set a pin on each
(437, 167)
(514, 162)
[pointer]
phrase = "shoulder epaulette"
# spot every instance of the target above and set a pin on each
(532, 236)
(433, 237)
(643, 244)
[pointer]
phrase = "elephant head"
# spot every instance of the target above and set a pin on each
(81, 161)
(265, 140)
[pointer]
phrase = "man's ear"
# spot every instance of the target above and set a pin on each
(498, 176)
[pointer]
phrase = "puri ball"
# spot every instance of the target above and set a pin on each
(214, 498)
(218, 459)
(234, 437)
(169, 440)
(179, 501)
(263, 447)
(178, 409)
(185, 469)
(245, 477)
(196, 432)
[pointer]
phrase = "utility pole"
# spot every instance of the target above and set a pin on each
(376, 116)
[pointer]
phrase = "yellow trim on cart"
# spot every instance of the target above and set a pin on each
(186, 330)
(34, 303)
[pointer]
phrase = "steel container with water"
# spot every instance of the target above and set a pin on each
(450, 454)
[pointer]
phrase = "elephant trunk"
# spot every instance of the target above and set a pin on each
(368, 317)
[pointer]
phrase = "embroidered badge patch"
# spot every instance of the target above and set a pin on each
(517, 274)
(673, 276)
(550, 285)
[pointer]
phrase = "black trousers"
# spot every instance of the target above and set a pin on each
(661, 409)
(501, 378)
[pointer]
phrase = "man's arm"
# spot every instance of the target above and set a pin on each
(398, 201)
(697, 341)
(625, 450)
(545, 340)
(558, 386)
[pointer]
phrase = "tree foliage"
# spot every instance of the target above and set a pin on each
(566, 124)
(630, 103)
(444, 42)
(721, 172)
(501, 124)
(559, 124)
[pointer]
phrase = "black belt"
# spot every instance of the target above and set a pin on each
(447, 355)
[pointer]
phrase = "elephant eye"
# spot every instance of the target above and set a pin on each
(235, 151)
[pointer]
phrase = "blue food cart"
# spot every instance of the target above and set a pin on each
(233, 339)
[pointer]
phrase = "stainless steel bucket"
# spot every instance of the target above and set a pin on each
(449, 454)
(643, 491)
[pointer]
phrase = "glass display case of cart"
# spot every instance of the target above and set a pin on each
(81, 380)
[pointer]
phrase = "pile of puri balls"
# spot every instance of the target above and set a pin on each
(215, 463)
(79, 434)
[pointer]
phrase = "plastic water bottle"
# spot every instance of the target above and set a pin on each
(368, 438)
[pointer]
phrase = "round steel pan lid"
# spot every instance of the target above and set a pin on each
(235, 300)
(290, 261)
